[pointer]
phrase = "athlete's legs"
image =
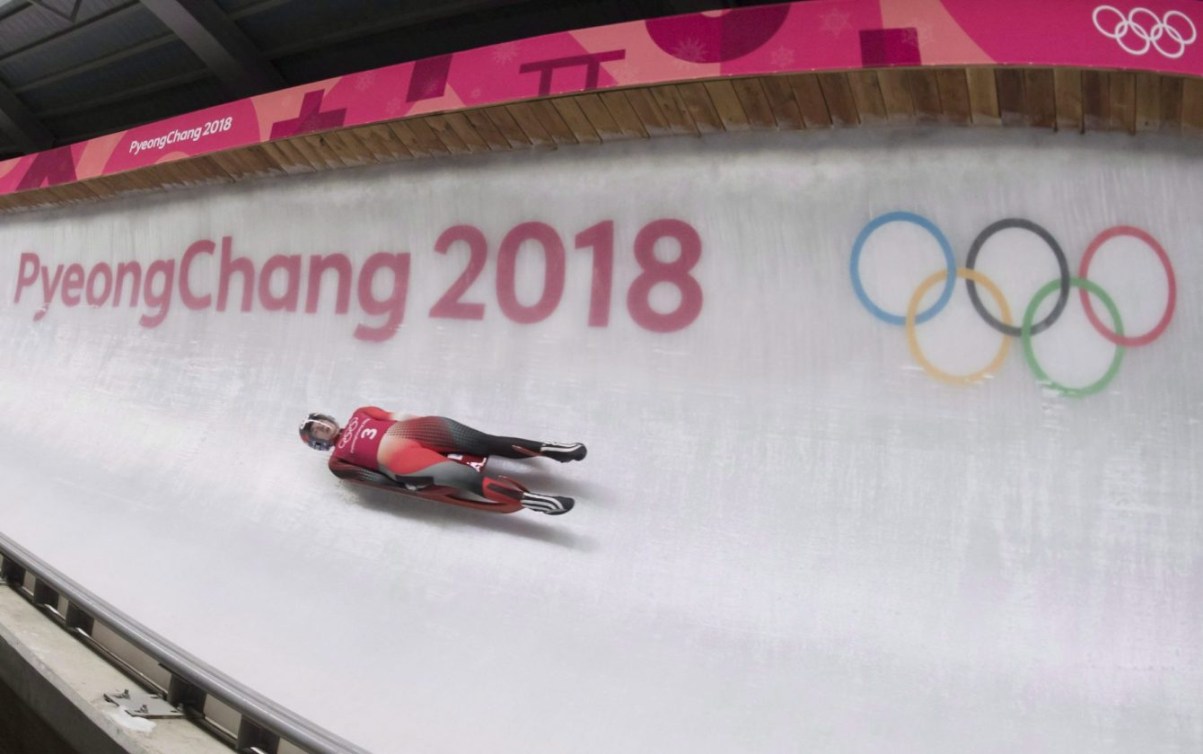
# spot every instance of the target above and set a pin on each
(413, 462)
(449, 436)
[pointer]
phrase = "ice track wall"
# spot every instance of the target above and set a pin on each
(797, 528)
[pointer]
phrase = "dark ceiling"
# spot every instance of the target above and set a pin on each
(74, 69)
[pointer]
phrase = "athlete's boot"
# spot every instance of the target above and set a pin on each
(563, 451)
(550, 504)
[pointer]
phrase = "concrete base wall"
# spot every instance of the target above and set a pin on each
(52, 691)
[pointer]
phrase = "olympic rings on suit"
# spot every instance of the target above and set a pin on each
(1028, 327)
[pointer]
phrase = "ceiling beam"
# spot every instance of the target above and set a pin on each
(220, 44)
(19, 123)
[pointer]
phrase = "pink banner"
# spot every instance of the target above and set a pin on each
(1157, 36)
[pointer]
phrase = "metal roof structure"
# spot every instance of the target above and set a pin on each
(75, 69)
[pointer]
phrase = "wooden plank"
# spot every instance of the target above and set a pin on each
(103, 187)
(116, 184)
(983, 97)
(676, 114)
(418, 137)
(866, 93)
(1012, 104)
(336, 150)
(726, 103)
(487, 129)
(352, 147)
(462, 127)
(366, 142)
(1171, 103)
(755, 103)
(303, 153)
(208, 173)
(1067, 93)
(181, 172)
(74, 193)
(925, 91)
(426, 136)
(1123, 101)
(445, 134)
(270, 154)
(234, 164)
(896, 95)
(837, 93)
(205, 171)
(600, 118)
(575, 119)
(624, 114)
(701, 108)
(407, 137)
(47, 197)
(781, 101)
(1192, 104)
(382, 141)
(51, 196)
(1096, 100)
(316, 152)
(953, 86)
(286, 158)
(528, 121)
(89, 192)
(1148, 102)
(159, 175)
(120, 183)
(648, 111)
(100, 188)
(503, 119)
(1040, 97)
(555, 126)
(225, 161)
(256, 156)
(811, 103)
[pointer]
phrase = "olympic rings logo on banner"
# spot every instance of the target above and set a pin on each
(1005, 322)
(1148, 29)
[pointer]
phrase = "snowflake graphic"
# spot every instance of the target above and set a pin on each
(365, 81)
(835, 23)
(505, 53)
(782, 57)
(393, 106)
(690, 50)
(475, 94)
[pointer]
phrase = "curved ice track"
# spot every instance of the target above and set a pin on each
(789, 535)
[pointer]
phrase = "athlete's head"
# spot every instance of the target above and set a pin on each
(319, 431)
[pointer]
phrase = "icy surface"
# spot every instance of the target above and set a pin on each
(788, 537)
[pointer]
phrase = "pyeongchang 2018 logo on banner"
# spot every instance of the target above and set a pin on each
(1140, 30)
(1129, 247)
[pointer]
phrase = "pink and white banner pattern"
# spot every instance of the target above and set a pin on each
(1155, 35)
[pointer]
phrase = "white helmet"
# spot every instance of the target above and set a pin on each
(319, 420)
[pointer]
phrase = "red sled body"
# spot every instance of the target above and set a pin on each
(510, 490)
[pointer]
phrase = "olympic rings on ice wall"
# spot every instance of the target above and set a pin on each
(1141, 30)
(1005, 323)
